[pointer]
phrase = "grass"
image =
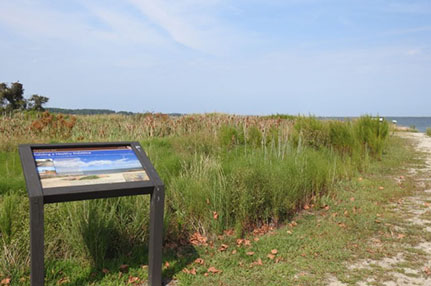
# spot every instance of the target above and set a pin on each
(334, 229)
(322, 240)
(92, 177)
(223, 173)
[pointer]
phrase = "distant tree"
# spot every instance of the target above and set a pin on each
(35, 102)
(12, 98)
(3, 87)
(80, 111)
(14, 95)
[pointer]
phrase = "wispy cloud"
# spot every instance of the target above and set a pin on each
(190, 23)
(126, 28)
(32, 20)
(37, 21)
(413, 52)
(151, 23)
(77, 164)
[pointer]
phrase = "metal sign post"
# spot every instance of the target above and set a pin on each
(66, 172)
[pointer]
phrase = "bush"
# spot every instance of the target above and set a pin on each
(198, 192)
(341, 137)
(428, 131)
(254, 136)
(371, 133)
(88, 227)
(228, 136)
(311, 131)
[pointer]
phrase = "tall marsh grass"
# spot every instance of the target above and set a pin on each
(221, 172)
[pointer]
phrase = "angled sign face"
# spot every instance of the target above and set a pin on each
(68, 172)
(66, 167)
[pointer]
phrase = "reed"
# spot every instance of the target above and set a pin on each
(221, 172)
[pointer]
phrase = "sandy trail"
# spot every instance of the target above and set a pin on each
(416, 212)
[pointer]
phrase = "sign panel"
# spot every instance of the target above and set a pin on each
(76, 166)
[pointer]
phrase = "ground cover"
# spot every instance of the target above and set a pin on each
(353, 223)
(226, 176)
(405, 247)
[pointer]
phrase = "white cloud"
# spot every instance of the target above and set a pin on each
(126, 28)
(76, 164)
(34, 21)
(150, 23)
(413, 52)
(39, 22)
(178, 29)
(96, 163)
(190, 23)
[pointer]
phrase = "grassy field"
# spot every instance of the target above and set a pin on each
(232, 181)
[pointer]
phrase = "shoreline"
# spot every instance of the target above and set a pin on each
(402, 128)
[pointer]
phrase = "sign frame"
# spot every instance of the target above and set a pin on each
(39, 196)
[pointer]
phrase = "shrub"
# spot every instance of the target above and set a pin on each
(428, 131)
(273, 136)
(371, 133)
(198, 192)
(89, 228)
(341, 137)
(228, 136)
(311, 132)
(254, 137)
(56, 125)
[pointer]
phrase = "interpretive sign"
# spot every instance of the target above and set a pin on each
(70, 172)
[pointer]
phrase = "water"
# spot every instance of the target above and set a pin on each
(420, 123)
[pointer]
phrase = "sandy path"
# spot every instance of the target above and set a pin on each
(411, 265)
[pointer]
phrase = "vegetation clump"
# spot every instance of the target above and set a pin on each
(221, 172)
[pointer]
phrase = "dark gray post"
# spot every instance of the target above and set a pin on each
(156, 236)
(37, 272)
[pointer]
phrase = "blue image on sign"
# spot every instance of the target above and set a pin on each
(84, 166)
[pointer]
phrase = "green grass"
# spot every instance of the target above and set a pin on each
(322, 242)
(11, 179)
(92, 177)
(221, 173)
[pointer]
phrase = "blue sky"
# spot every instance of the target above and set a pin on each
(334, 58)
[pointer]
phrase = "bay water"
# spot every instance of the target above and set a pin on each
(419, 123)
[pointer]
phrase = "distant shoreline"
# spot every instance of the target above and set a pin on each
(421, 123)
(93, 111)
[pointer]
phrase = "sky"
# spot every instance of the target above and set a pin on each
(320, 57)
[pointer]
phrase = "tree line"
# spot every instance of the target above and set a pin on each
(12, 98)
(84, 111)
